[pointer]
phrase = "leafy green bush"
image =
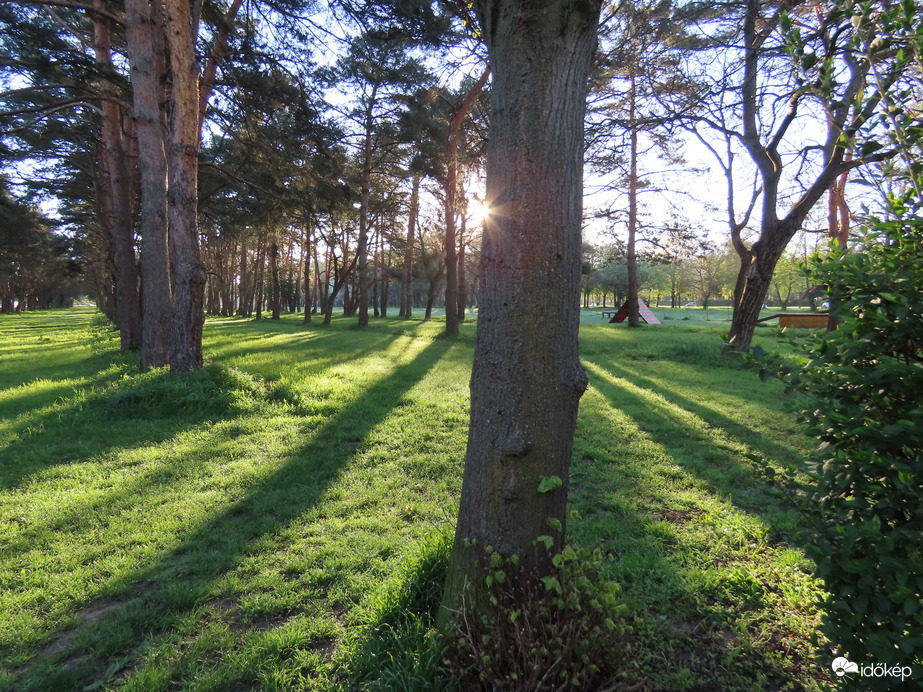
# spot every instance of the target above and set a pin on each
(865, 382)
(564, 630)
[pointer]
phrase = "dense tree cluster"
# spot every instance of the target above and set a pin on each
(291, 174)
(38, 267)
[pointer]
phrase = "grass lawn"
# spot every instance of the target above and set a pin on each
(280, 520)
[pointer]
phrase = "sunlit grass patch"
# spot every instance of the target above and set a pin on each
(281, 519)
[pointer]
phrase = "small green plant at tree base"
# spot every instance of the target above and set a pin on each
(563, 630)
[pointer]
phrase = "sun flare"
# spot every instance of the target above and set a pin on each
(478, 211)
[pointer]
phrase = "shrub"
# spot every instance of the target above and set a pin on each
(564, 630)
(864, 383)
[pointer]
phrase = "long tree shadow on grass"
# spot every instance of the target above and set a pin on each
(674, 421)
(153, 600)
(105, 414)
(707, 605)
(136, 413)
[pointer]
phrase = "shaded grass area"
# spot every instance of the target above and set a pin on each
(281, 520)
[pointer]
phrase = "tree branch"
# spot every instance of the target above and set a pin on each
(89, 9)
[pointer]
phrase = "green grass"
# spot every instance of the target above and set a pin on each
(280, 520)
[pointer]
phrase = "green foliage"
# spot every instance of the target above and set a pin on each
(865, 382)
(563, 630)
(546, 485)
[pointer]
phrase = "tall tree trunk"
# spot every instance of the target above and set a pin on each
(260, 262)
(406, 310)
(363, 244)
(386, 283)
(306, 252)
(187, 270)
(146, 53)
(527, 381)
(837, 228)
(451, 207)
(116, 193)
(631, 255)
(275, 293)
(462, 302)
(376, 269)
(243, 291)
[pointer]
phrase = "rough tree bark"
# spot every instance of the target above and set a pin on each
(527, 380)
(115, 192)
(146, 53)
(186, 267)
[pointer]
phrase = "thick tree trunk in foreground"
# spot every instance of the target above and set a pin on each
(527, 380)
(144, 33)
(187, 269)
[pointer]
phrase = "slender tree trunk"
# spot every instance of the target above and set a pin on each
(837, 228)
(451, 207)
(146, 53)
(406, 310)
(275, 293)
(634, 314)
(376, 269)
(462, 302)
(115, 196)
(306, 251)
(386, 283)
(365, 183)
(243, 291)
(527, 380)
(258, 293)
(224, 280)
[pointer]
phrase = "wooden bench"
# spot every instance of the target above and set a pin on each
(801, 320)
(607, 314)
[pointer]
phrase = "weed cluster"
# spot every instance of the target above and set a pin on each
(567, 629)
